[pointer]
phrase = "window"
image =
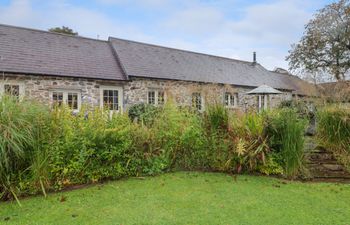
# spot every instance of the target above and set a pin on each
(111, 98)
(71, 98)
(161, 98)
(156, 97)
(197, 101)
(152, 97)
(230, 99)
(72, 101)
(57, 98)
(12, 88)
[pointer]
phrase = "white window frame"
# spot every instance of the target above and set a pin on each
(156, 96)
(235, 99)
(202, 101)
(65, 93)
(120, 96)
(10, 82)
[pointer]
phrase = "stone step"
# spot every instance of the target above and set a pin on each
(330, 174)
(322, 164)
(320, 157)
(326, 167)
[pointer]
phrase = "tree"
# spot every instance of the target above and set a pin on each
(325, 45)
(63, 30)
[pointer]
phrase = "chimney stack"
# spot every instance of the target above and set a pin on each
(254, 58)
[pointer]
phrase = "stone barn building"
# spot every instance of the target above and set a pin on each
(61, 69)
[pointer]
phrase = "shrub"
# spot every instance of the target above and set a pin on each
(251, 140)
(286, 133)
(44, 149)
(179, 133)
(88, 147)
(143, 113)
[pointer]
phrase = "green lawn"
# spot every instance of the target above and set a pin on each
(188, 198)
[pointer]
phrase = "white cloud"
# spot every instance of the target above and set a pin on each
(268, 28)
(197, 21)
(87, 22)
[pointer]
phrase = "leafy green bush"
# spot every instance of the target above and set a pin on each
(286, 133)
(143, 113)
(88, 147)
(44, 149)
(179, 133)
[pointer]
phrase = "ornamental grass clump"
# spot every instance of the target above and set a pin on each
(333, 132)
(22, 131)
(286, 131)
(333, 128)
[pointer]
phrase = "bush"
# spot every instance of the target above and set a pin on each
(88, 147)
(143, 113)
(44, 149)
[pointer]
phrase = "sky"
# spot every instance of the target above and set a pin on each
(229, 28)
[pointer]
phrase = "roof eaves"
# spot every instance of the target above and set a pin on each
(56, 75)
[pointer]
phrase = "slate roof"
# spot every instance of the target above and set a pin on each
(31, 51)
(25, 50)
(152, 61)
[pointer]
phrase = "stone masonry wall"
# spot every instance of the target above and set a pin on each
(136, 90)
(39, 87)
(181, 92)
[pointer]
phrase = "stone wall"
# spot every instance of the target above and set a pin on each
(39, 87)
(136, 90)
(181, 92)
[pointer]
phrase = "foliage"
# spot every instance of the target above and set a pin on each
(333, 132)
(325, 46)
(272, 166)
(301, 107)
(334, 127)
(63, 30)
(287, 139)
(54, 149)
(143, 113)
(22, 126)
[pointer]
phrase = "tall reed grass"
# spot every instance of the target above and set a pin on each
(286, 133)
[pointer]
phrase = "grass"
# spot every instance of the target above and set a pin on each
(188, 198)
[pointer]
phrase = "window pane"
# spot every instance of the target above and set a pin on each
(197, 101)
(227, 99)
(232, 100)
(57, 98)
(161, 99)
(72, 100)
(110, 99)
(151, 97)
